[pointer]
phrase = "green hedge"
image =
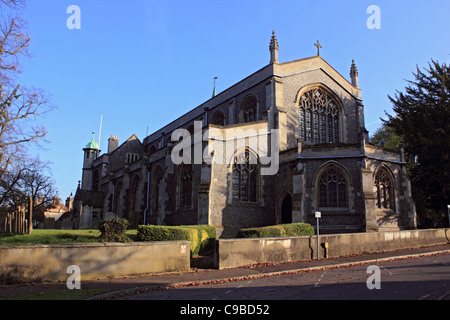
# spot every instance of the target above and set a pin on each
(283, 230)
(114, 230)
(202, 237)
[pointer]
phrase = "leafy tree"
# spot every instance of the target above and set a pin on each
(385, 137)
(422, 121)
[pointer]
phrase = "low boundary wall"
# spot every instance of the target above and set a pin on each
(231, 253)
(96, 261)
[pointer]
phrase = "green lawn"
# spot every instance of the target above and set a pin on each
(55, 237)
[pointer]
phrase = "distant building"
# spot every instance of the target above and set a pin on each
(56, 213)
(325, 161)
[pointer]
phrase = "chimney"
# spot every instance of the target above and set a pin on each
(69, 202)
(56, 201)
(113, 144)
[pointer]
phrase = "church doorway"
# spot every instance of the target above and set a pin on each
(286, 209)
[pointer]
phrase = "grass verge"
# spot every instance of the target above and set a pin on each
(55, 237)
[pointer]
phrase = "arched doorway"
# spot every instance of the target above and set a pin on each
(286, 209)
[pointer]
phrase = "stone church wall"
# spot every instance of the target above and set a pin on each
(277, 89)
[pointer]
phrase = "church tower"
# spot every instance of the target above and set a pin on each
(91, 152)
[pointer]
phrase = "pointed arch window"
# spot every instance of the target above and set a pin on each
(134, 194)
(157, 192)
(249, 109)
(332, 188)
(95, 181)
(218, 118)
(117, 199)
(385, 190)
(185, 186)
(245, 177)
(319, 117)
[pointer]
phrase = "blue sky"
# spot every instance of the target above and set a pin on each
(143, 63)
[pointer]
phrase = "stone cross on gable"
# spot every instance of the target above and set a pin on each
(318, 47)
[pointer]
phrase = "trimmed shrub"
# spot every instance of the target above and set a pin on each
(282, 230)
(114, 230)
(298, 229)
(202, 237)
(161, 233)
(266, 232)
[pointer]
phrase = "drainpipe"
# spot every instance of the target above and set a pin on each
(113, 199)
(148, 197)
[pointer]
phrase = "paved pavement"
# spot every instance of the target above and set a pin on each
(421, 278)
(143, 283)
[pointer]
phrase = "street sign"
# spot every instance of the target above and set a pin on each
(318, 214)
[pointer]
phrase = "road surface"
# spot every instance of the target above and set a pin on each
(420, 278)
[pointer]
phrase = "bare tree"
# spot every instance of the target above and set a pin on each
(29, 178)
(14, 4)
(19, 107)
(14, 41)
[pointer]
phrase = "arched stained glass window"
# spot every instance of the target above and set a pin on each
(385, 190)
(332, 188)
(157, 192)
(134, 194)
(245, 175)
(186, 186)
(117, 200)
(319, 117)
(218, 118)
(249, 110)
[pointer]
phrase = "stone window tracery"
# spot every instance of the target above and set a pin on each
(319, 117)
(332, 188)
(186, 186)
(157, 192)
(245, 175)
(218, 118)
(249, 109)
(134, 194)
(385, 191)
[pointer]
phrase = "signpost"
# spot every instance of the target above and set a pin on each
(448, 212)
(318, 216)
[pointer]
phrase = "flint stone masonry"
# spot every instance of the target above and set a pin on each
(96, 261)
(316, 117)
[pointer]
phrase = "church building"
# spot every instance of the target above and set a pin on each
(306, 116)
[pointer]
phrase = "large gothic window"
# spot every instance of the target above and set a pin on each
(385, 190)
(185, 186)
(332, 188)
(245, 175)
(319, 117)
